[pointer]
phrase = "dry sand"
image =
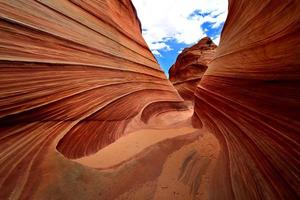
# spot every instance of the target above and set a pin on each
(185, 173)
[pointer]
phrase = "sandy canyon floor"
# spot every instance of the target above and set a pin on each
(165, 159)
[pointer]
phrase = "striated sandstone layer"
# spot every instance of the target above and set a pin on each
(250, 99)
(86, 112)
(73, 75)
(190, 66)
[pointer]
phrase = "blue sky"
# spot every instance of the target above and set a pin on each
(168, 57)
(171, 25)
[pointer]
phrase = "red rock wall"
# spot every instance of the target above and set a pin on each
(190, 66)
(72, 73)
(250, 99)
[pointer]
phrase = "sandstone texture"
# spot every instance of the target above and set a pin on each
(87, 113)
(249, 98)
(73, 74)
(190, 66)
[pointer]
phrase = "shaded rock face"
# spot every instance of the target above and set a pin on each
(190, 66)
(73, 74)
(249, 98)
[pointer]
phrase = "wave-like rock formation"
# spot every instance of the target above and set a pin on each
(190, 66)
(250, 99)
(86, 112)
(73, 74)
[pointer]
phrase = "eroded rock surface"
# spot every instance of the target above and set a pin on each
(75, 76)
(249, 98)
(190, 66)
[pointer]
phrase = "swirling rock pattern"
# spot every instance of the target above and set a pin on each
(76, 76)
(190, 66)
(73, 74)
(249, 98)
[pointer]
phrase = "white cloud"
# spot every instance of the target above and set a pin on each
(163, 20)
(160, 45)
(180, 50)
(156, 52)
(216, 39)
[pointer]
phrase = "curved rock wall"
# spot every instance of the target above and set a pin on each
(249, 98)
(75, 73)
(72, 73)
(190, 66)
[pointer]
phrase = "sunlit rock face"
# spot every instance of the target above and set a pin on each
(73, 74)
(249, 98)
(190, 66)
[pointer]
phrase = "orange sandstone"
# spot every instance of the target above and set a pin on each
(190, 66)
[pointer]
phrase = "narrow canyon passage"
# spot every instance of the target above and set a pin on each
(87, 113)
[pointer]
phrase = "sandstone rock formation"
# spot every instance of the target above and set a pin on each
(249, 98)
(190, 66)
(73, 75)
(86, 112)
